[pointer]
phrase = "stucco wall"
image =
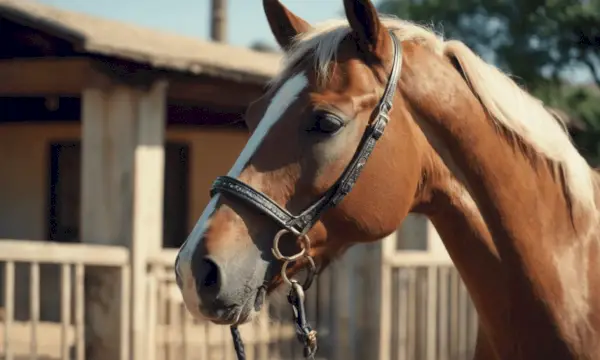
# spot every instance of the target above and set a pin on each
(24, 166)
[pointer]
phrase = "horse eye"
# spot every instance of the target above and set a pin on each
(327, 123)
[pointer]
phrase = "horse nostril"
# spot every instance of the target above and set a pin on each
(209, 279)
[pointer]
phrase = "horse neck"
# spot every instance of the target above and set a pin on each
(523, 205)
(447, 204)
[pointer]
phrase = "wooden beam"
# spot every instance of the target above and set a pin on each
(217, 92)
(205, 115)
(47, 76)
(70, 76)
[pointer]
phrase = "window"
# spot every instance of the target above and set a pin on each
(64, 196)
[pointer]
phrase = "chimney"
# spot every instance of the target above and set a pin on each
(218, 26)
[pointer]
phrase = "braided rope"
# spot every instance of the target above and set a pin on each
(238, 343)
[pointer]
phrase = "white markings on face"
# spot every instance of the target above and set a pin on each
(185, 253)
(285, 97)
(287, 94)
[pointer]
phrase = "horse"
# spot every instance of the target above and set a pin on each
(314, 130)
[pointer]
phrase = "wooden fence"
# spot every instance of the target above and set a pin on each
(32, 336)
(374, 303)
(427, 311)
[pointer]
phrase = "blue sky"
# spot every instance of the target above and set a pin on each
(247, 22)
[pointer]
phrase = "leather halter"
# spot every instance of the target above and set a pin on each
(302, 223)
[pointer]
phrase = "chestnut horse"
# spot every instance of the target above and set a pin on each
(536, 193)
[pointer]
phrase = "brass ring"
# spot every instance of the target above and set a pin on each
(305, 244)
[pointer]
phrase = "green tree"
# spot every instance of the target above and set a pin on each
(585, 109)
(534, 39)
(541, 43)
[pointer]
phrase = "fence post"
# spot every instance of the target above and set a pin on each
(388, 248)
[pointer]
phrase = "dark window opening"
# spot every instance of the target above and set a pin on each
(176, 194)
(64, 194)
(64, 197)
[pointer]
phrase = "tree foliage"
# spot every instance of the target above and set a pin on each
(543, 44)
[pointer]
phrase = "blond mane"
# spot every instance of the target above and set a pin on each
(510, 106)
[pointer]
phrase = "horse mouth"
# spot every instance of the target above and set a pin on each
(244, 313)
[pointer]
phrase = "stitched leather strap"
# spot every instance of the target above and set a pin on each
(302, 223)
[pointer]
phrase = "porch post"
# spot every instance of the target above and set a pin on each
(148, 205)
(121, 204)
(108, 126)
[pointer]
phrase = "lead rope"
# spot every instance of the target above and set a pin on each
(238, 343)
(304, 332)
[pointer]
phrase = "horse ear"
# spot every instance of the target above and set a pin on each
(285, 25)
(370, 32)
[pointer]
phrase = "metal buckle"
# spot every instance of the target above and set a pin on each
(380, 124)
